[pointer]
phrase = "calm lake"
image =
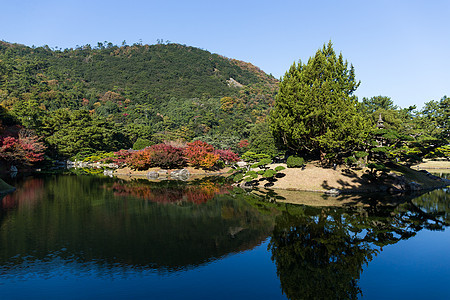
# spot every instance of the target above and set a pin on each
(86, 237)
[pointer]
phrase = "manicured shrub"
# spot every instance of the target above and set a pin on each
(101, 156)
(250, 156)
(269, 173)
(201, 154)
(264, 162)
(252, 174)
(166, 156)
(360, 154)
(238, 177)
(279, 168)
(295, 162)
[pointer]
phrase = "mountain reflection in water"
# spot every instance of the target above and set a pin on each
(124, 223)
(121, 227)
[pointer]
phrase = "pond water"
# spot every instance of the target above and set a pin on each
(85, 237)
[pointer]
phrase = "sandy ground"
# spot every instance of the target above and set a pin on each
(316, 179)
(434, 166)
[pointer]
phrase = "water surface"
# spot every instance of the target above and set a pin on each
(84, 237)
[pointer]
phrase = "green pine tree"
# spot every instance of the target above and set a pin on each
(315, 110)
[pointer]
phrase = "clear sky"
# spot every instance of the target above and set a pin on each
(399, 48)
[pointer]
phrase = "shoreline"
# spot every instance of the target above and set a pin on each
(158, 174)
(427, 164)
(314, 178)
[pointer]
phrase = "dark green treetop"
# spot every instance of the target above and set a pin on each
(377, 103)
(434, 119)
(315, 110)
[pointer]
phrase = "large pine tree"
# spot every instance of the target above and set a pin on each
(315, 110)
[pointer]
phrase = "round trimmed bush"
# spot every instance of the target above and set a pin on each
(295, 162)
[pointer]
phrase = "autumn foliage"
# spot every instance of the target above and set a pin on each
(166, 156)
(140, 160)
(201, 154)
(26, 149)
(161, 155)
(243, 144)
(227, 156)
(120, 158)
(198, 154)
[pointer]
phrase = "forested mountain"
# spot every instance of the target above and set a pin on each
(122, 94)
(144, 72)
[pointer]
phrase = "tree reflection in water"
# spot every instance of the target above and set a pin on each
(27, 196)
(118, 226)
(320, 252)
(170, 191)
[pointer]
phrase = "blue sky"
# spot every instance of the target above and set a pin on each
(399, 48)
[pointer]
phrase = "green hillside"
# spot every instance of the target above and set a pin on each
(144, 72)
(122, 94)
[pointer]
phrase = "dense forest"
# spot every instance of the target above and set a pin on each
(108, 97)
(58, 103)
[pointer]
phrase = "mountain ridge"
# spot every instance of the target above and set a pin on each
(161, 70)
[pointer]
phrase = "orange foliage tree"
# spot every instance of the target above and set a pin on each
(201, 154)
(140, 160)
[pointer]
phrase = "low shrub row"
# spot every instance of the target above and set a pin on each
(197, 154)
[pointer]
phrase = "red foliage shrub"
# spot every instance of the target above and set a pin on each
(9, 143)
(167, 156)
(227, 156)
(120, 157)
(25, 150)
(201, 154)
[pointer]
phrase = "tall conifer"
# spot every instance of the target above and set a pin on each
(315, 110)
